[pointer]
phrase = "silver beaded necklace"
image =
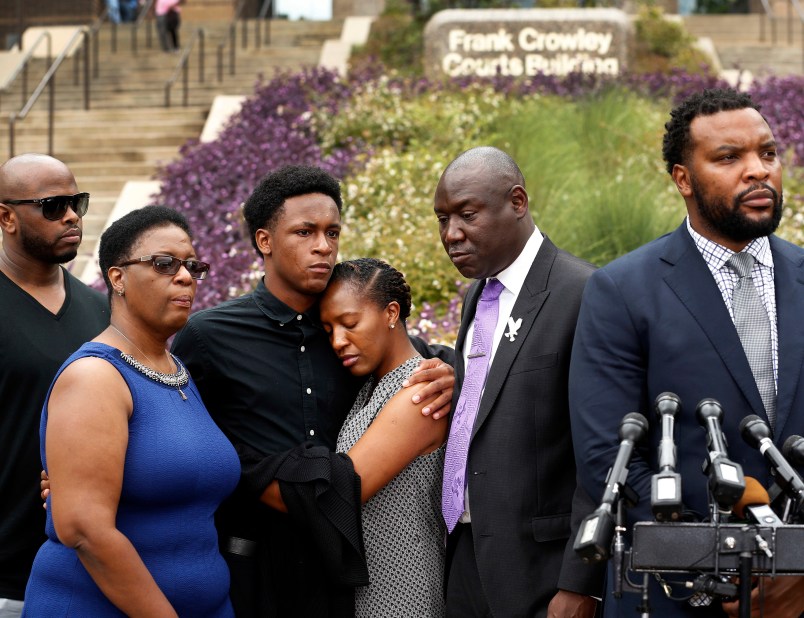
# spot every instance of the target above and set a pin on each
(175, 380)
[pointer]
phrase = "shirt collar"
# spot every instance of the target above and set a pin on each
(717, 255)
(275, 309)
(513, 277)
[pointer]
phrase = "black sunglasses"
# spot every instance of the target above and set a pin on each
(53, 208)
(169, 265)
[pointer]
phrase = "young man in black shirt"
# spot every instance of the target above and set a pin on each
(268, 376)
(45, 315)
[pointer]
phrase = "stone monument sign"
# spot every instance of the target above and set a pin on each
(523, 42)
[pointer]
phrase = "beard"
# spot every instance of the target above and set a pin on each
(40, 250)
(727, 219)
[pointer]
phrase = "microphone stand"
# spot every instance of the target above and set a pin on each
(746, 560)
(720, 510)
(627, 497)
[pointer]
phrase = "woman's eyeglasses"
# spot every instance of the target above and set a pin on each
(169, 265)
(54, 208)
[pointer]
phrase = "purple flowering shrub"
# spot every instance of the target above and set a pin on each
(439, 322)
(388, 138)
(782, 100)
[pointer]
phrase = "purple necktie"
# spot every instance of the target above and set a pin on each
(477, 367)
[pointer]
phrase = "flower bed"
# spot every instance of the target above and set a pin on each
(388, 139)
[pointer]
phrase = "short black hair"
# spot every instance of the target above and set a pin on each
(377, 281)
(676, 145)
(264, 205)
(121, 236)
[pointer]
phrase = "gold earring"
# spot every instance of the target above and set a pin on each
(120, 291)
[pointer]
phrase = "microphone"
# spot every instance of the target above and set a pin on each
(793, 450)
(756, 433)
(593, 542)
(726, 481)
(665, 486)
(755, 505)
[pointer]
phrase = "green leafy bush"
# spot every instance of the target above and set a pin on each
(388, 209)
(662, 45)
(596, 184)
(589, 149)
(389, 215)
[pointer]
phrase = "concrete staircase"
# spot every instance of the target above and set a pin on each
(741, 45)
(128, 132)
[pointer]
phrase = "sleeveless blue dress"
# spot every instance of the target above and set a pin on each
(178, 468)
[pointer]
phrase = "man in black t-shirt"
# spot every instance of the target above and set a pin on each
(45, 315)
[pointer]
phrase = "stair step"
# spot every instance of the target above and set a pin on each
(762, 60)
(743, 29)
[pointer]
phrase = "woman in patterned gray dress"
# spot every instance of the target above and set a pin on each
(364, 311)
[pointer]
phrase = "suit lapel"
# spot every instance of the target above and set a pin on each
(789, 283)
(530, 300)
(693, 283)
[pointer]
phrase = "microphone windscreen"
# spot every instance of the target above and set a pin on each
(793, 450)
(754, 494)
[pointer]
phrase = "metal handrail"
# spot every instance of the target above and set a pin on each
(267, 5)
(800, 12)
(142, 17)
(49, 82)
(25, 60)
(232, 41)
(769, 15)
(182, 66)
(94, 31)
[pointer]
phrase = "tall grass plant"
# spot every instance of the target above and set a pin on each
(593, 168)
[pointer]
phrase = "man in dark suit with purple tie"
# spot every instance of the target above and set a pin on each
(509, 495)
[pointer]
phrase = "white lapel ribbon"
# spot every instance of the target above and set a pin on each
(513, 328)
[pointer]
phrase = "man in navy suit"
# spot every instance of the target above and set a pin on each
(510, 552)
(661, 319)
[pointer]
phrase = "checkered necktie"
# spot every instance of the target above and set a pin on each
(753, 326)
(477, 367)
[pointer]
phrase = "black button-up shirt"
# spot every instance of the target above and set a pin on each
(266, 373)
(270, 380)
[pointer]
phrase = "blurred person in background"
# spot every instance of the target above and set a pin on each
(168, 20)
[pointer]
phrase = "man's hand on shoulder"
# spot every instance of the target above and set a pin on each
(441, 378)
(783, 598)
(568, 604)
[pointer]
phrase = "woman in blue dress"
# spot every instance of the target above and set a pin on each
(137, 467)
